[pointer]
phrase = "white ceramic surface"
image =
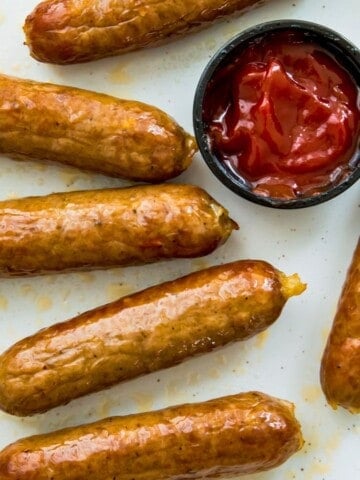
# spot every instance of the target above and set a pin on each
(317, 243)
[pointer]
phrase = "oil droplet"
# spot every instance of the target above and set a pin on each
(199, 264)
(3, 302)
(119, 74)
(114, 291)
(144, 401)
(261, 339)
(311, 393)
(43, 304)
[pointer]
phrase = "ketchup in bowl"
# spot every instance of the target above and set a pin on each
(282, 114)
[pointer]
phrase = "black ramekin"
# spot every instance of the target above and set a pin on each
(347, 55)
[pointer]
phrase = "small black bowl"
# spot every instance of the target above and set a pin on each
(345, 53)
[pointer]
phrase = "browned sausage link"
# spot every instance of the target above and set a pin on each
(108, 228)
(147, 331)
(234, 435)
(92, 131)
(340, 366)
(68, 31)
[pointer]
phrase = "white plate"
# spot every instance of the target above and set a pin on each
(316, 242)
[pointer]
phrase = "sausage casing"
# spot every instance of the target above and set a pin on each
(108, 228)
(92, 131)
(234, 435)
(140, 333)
(340, 366)
(68, 31)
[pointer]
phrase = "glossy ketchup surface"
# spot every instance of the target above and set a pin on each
(284, 115)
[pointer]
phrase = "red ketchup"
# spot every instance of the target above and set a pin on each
(284, 116)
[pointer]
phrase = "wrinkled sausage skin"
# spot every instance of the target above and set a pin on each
(340, 366)
(91, 131)
(147, 331)
(107, 228)
(234, 435)
(72, 31)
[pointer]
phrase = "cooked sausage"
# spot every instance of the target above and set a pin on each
(340, 366)
(147, 331)
(107, 228)
(92, 131)
(69, 31)
(234, 435)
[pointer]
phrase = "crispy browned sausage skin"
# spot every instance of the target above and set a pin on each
(234, 435)
(108, 228)
(340, 366)
(92, 131)
(149, 330)
(68, 31)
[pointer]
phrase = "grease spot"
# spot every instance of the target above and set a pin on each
(261, 339)
(332, 443)
(3, 303)
(193, 379)
(311, 393)
(214, 373)
(325, 333)
(2, 17)
(114, 291)
(43, 303)
(221, 360)
(104, 409)
(69, 177)
(144, 401)
(119, 74)
(87, 277)
(12, 196)
(319, 468)
(200, 264)
(27, 289)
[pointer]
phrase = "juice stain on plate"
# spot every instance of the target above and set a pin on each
(144, 401)
(43, 303)
(114, 291)
(311, 393)
(3, 302)
(119, 74)
(261, 338)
